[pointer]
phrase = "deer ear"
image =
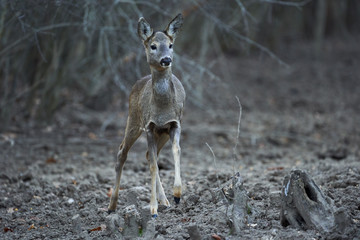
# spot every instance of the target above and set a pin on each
(144, 29)
(174, 26)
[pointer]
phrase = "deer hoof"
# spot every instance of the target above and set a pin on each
(154, 216)
(177, 200)
(110, 211)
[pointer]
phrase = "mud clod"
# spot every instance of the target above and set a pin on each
(238, 210)
(194, 232)
(132, 221)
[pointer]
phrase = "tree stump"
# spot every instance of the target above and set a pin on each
(304, 206)
(238, 209)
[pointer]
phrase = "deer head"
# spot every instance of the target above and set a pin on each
(159, 45)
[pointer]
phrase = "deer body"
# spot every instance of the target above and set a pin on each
(156, 105)
(159, 101)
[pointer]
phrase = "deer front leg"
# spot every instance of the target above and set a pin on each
(160, 193)
(175, 139)
(152, 158)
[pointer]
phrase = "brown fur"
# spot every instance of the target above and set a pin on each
(156, 106)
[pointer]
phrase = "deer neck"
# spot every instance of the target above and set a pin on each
(162, 87)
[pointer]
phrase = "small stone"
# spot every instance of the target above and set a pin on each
(150, 230)
(132, 221)
(26, 176)
(76, 223)
(194, 232)
(113, 223)
(193, 199)
(4, 176)
(338, 153)
(70, 169)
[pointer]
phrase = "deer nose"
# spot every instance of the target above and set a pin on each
(165, 61)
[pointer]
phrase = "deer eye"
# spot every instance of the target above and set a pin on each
(153, 47)
(170, 46)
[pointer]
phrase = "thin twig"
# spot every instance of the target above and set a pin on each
(244, 13)
(200, 68)
(238, 131)
(217, 177)
(39, 48)
(287, 3)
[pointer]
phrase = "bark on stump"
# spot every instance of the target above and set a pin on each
(304, 206)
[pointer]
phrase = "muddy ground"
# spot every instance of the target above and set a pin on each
(55, 179)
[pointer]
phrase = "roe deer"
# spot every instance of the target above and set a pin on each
(156, 105)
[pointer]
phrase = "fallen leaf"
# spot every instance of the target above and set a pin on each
(101, 228)
(6, 229)
(32, 227)
(185, 220)
(81, 205)
(50, 160)
(92, 136)
(191, 182)
(216, 237)
(10, 210)
(42, 227)
(275, 168)
(102, 209)
(109, 193)
(95, 229)
(9, 137)
(74, 182)
(35, 218)
(37, 197)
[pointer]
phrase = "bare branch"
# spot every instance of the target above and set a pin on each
(238, 130)
(231, 31)
(45, 28)
(287, 3)
(38, 47)
(212, 152)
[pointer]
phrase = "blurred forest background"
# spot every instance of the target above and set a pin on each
(55, 53)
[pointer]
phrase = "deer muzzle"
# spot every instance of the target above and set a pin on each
(166, 61)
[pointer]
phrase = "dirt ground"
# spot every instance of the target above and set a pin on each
(55, 179)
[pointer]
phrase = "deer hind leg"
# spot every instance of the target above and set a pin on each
(175, 132)
(163, 138)
(131, 135)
